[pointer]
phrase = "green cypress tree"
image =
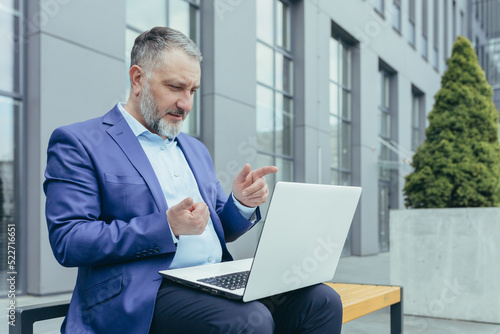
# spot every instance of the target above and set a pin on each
(458, 165)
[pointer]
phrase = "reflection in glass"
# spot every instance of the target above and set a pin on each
(284, 125)
(145, 14)
(284, 73)
(265, 21)
(334, 142)
(178, 16)
(265, 64)
(346, 104)
(283, 25)
(334, 60)
(265, 122)
(334, 99)
(334, 177)
(346, 67)
(285, 170)
(346, 146)
(9, 110)
(10, 40)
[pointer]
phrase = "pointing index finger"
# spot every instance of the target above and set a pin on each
(262, 171)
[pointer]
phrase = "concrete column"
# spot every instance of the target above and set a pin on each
(228, 102)
(75, 64)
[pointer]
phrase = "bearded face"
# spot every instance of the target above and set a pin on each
(155, 118)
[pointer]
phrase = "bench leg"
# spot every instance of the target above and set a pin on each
(397, 316)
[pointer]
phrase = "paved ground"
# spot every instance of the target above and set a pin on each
(368, 269)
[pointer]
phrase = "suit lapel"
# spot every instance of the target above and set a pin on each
(122, 134)
(198, 173)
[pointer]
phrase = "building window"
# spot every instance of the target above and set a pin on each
(275, 89)
(182, 15)
(379, 6)
(454, 19)
(424, 30)
(435, 40)
(385, 156)
(417, 118)
(462, 23)
(445, 33)
(411, 23)
(11, 108)
(396, 15)
(340, 112)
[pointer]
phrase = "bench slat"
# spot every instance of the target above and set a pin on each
(359, 299)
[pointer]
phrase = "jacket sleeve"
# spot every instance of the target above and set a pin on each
(78, 234)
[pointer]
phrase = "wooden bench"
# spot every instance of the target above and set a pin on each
(357, 299)
(361, 299)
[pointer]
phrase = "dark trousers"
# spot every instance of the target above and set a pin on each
(179, 309)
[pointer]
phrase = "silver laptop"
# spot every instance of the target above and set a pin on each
(300, 245)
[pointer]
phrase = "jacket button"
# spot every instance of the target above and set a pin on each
(144, 252)
(157, 250)
(138, 254)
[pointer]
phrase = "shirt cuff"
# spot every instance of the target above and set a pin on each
(245, 211)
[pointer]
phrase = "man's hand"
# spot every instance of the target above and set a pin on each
(250, 187)
(188, 218)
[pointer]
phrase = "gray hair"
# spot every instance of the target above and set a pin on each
(149, 47)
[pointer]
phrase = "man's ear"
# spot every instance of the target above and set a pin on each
(137, 79)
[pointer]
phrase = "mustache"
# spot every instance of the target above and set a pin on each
(177, 111)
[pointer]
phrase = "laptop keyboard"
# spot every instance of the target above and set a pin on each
(230, 281)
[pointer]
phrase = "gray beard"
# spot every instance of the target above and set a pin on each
(154, 119)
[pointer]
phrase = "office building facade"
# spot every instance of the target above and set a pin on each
(331, 92)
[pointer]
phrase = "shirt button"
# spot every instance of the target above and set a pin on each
(211, 260)
(162, 148)
(176, 174)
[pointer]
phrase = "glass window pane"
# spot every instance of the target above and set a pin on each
(265, 122)
(334, 60)
(285, 170)
(334, 176)
(191, 124)
(10, 39)
(194, 24)
(334, 142)
(265, 21)
(334, 99)
(411, 33)
(283, 25)
(284, 125)
(145, 14)
(178, 16)
(396, 16)
(386, 89)
(265, 64)
(346, 146)
(9, 108)
(261, 161)
(284, 75)
(346, 104)
(346, 67)
(345, 179)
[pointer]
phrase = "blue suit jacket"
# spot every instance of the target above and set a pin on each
(106, 215)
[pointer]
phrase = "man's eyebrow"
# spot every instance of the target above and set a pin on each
(179, 83)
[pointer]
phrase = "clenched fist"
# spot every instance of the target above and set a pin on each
(188, 218)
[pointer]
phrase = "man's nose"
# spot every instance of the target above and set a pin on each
(185, 102)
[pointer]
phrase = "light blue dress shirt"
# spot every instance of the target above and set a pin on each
(177, 183)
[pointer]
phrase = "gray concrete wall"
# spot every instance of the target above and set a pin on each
(228, 99)
(446, 260)
(75, 71)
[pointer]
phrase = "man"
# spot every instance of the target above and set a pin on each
(129, 195)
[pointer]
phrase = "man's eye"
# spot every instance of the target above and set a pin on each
(193, 91)
(174, 87)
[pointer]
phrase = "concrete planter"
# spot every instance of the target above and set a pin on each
(448, 261)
